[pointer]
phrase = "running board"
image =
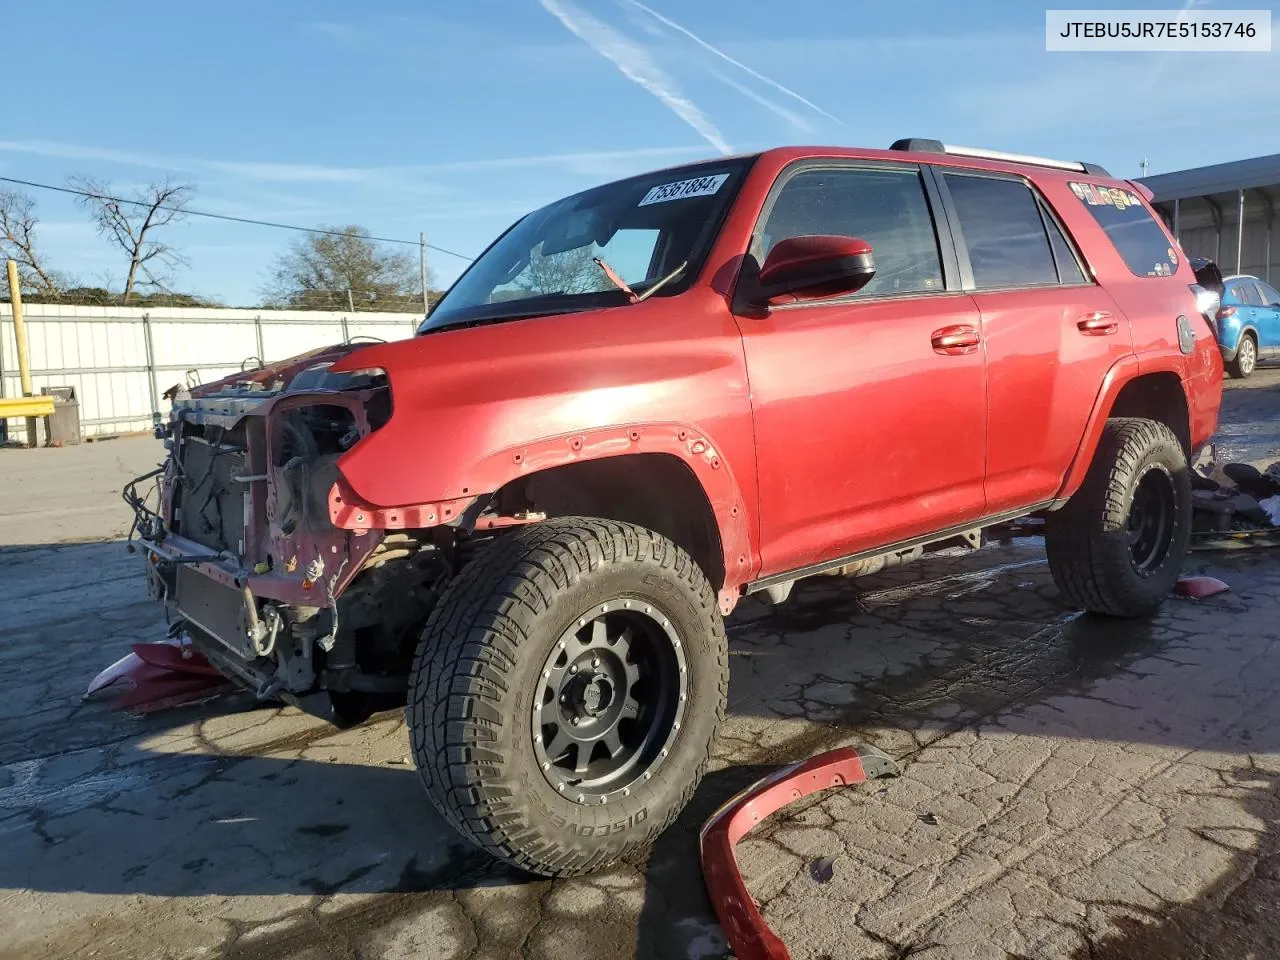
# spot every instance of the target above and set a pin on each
(778, 586)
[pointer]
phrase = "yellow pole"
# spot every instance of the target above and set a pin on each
(20, 338)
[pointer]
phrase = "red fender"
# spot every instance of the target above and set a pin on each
(350, 511)
(744, 927)
(1118, 377)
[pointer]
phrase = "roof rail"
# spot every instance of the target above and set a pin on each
(921, 145)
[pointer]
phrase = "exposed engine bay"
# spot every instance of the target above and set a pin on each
(245, 555)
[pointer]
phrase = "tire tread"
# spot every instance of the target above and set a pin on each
(1090, 570)
(470, 645)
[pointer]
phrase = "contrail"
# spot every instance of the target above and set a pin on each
(724, 56)
(797, 121)
(637, 66)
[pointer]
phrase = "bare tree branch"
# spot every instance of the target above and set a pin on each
(18, 224)
(130, 223)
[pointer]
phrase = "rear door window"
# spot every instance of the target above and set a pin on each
(1139, 240)
(1270, 298)
(1004, 232)
(1246, 291)
(885, 206)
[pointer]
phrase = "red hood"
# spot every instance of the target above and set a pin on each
(282, 371)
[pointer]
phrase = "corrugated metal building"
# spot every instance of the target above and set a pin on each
(1225, 212)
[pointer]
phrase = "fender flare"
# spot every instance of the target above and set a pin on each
(1123, 372)
(348, 510)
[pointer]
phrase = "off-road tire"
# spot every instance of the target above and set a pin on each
(1241, 367)
(1087, 540)
(477, 671)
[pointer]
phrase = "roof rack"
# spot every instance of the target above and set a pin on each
(920, 145)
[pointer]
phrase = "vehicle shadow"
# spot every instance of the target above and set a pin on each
(1237, 916)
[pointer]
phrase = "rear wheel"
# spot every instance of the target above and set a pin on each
(1246, 360)
(1118, 545)
(566, 691)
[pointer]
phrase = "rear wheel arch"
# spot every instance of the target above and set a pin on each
(1248, 330)
(1244, 362)
(1157, 395)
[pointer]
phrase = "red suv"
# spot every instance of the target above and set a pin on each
(653, 398)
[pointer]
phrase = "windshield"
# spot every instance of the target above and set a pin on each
(644, 228)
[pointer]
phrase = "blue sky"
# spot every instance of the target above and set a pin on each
(456, 118)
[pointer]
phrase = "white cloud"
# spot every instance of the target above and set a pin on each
(71, 151)
(288, 172)
(339, 31)
(263, 171)
(580, 161)
(636, 65)
(401, 178)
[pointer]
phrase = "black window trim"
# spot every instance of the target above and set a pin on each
(940, 171)
(1050, 218)
(951, 273)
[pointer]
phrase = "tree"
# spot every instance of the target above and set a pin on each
(570, 271)
(330, 271)
(18, 242)
(131, 222)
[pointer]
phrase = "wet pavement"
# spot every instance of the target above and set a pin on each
(1072, 788)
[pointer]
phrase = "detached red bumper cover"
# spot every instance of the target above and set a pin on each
(162, 674)
(749, 936)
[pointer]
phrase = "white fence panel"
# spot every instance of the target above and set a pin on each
(383, 329)
(288, 338)
(120, 360)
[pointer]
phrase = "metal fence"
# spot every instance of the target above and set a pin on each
(121, 360)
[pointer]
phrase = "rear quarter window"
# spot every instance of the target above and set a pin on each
(1139, 240)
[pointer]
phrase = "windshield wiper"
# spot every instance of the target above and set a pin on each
(616, 280)
(632, 296)
(663, 282)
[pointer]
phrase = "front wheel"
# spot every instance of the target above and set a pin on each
(1118, 545)
(566, 692)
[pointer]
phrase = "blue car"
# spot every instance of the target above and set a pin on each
(1248, 324)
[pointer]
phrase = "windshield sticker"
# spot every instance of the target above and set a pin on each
(1095, 196)
(698, 187)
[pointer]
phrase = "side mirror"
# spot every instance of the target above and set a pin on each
(814, 267)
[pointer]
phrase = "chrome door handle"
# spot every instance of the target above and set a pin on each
(956, 340)
(1098, 324)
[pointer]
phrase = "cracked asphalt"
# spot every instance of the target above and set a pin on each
(1072, 787)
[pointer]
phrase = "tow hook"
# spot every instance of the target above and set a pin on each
(270, 687)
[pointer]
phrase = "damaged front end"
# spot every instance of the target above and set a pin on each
(243, 548)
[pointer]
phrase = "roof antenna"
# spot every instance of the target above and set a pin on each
(1144, 166)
